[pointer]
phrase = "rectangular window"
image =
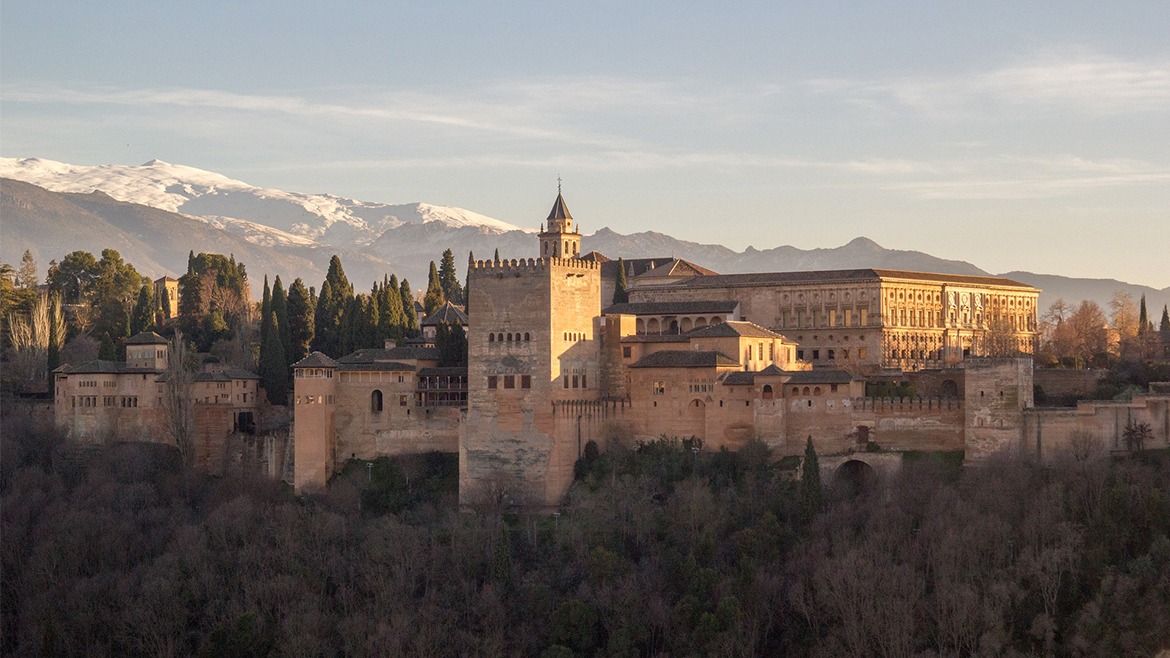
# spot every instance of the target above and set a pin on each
(833, 388)
(626, 351)
(525, 381)
(583, 384)
(493, 381)
(848, 317)
(816, 355)
(509, 381)
(832, 317)
(760, 351)
(864, 313)
(800, 355)
(402, 400)
(566, 381)
(861, 352)
(832, 354)
(771, 351)
(576, 381)
(660, 387)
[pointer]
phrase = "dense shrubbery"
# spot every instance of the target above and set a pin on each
(657, 551)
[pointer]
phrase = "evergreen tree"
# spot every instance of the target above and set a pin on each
(1144, 324)
(449, 279)
(335, 298)
(265, 309)
(410, 326)
(1164, 326)
(435, 296)
(467, 283)
(393, 317)
(280, 308)
(620, 296)
(107, 351)
(55, 340)
(191, 262)
(451, 341)
(300, 321)
(273, 369)
(496, 258)
(143, 316)
(811, 494)
(27, 276)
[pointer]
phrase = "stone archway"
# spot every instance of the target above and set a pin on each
(854, 477)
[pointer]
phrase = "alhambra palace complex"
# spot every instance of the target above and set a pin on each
(552, 365)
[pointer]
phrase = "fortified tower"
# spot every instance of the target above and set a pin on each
(314, 410)
(531, 347)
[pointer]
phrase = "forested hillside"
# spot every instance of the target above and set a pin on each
(656, 552)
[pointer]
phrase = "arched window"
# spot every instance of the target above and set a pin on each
(491, 338)
(768, 394)
(376, 401)
(805, 391)
(509, 337)
(795, 391)
(527, 337)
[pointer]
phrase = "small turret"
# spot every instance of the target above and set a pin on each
(560, 239)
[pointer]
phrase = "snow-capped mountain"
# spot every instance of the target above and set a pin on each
(225, 202)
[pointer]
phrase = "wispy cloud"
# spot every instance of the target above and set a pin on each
(1077, 81)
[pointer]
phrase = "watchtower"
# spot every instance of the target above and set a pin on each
(531, 345)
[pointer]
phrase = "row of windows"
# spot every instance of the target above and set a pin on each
(831, 354)
(578, 381)
(575, 335)
(314, 373)
(818, 318)
(314, 399)
(493, 381)
(510, 337)
(366, 377)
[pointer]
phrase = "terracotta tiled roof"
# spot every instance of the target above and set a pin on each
(638, 266)
(224, 375)
(452, 371)
(721, 307)
(733, 329)
(739, 378)
(399, 353)
(830, 276)
(656, 338)
(685, 359)
(100, 367)
(315, 360)
(821, 377)
(676, 267)
(146, 338)
(377, 366)
(448, 313)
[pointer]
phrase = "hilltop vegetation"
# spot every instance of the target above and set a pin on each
(657, 551)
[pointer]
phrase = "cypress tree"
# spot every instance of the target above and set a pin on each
(280, 308)
(449, 278)
(54, 349)
(451, 341)
(265, 308)
(396, 315)
(620, 296)
(335, 298)
(1143, 319)
(273, 369)
(107, 351)
(811, 494)
(143, 316)
(410, 325)
(435, 296)
(1164, 327)
(497, 256)
(467, 283)
(300, 321)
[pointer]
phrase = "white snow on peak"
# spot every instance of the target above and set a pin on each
(217, 198)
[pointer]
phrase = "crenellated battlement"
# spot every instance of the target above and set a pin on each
(523, 266)
(915, 404)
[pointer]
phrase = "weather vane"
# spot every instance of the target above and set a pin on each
(558, 184)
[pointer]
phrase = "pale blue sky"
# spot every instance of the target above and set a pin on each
(1014, 135)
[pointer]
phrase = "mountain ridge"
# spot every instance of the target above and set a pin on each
(297, 239)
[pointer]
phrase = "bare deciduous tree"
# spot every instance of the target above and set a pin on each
(176, 398)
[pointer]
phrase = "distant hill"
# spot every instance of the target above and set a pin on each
(156, 212)
(1098, 290)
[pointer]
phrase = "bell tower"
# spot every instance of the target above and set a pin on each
(560, 238)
